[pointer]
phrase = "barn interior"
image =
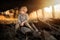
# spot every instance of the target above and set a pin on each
(44, 19)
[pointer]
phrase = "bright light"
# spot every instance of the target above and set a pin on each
(57, 1)
(33, 15)
(48, 12)
(57, 7)
(48, 9)
(57, 11)
(39, 13)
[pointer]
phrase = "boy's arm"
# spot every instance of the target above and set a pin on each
(19, 19)
(25, 20)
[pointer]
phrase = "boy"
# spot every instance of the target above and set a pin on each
(22, 19)
(23, 16)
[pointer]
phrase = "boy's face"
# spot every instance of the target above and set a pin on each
(23, 10)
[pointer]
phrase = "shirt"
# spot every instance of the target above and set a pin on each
(22, 18)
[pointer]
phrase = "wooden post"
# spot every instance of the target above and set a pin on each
(43, 13)
(53, 14)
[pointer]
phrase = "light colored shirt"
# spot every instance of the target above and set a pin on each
(22, 18)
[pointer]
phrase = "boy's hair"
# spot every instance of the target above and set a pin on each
(22, 7)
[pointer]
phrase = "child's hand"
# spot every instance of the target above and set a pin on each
(22, 23)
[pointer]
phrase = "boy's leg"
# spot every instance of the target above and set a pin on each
(17, 26)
